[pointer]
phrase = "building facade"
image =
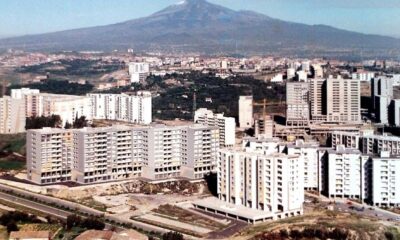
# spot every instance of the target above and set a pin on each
(226, 125)
(12, 115)
(246, 112)
(297, 110)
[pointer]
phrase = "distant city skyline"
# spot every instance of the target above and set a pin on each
(22, 17)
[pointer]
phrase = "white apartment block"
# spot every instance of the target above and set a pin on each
(12, 115)
(394, 113)
(226, 125)
(270, 183)
(246, 112)
(308, 152)
(68, 107)
(344, 173)
(20, 93)
(122, 107)
(93, 155)
(261, 145)
(385, 181)
(347, 139)
(139, 71)
(297, 111)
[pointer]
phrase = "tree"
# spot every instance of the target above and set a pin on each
(73, 221)
(93, 223)
(12, 226)
(41, 122)
(80, 122)
(172, 236)
(68, 125)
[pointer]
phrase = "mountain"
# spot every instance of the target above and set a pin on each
(199, 26)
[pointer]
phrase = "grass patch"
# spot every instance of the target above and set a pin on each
(7, 165)
(53, 228)
(13, 143)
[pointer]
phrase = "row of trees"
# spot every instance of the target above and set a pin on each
(10, 220)
(87, 223)
(306, 233)
(54, 121)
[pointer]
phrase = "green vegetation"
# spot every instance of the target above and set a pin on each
(8, 165)
(88, 223)
(13, 143)
(76, 67)
(172, 236)
(41, 122)
(58, 87)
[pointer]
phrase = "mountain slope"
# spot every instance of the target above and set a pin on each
(199, 26)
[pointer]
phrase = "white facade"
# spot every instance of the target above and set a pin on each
(122, 107)
(20, 93)
(344, 173)
(363, 76)
(385, 179)
(308, 152)
(139, 71)
(271, 183)
(246, 112)
(226, 125)
(12, 115)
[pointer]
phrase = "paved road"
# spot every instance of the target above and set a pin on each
(34, 205)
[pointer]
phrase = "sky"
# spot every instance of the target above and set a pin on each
(22, 17)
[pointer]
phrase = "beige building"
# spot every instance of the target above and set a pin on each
(343, 100)
(12, 115)
(317, 98)
(246, 112)
(93, 155)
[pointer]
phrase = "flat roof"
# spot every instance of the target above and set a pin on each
(230, 208)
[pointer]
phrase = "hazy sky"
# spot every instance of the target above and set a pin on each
(19, 17)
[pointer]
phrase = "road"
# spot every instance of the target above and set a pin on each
(35, 206)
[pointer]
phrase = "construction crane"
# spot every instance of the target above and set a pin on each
(264, 104)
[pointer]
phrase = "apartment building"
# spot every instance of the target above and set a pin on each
(139, 71)
(246, 112)
(381, 86)
(264, 126)
(297, 104)
(200, 146)
(344, 173)
(375, 144)
(12, 115)
(123, 107)
(94, 155)
(50, 155)
(270, 183)
(262, 145)
(335, 100)
(317, 98)
(343, 100)
(384, 180)
(226, 125)
(347, 139)
(105, 154)
(308, 152)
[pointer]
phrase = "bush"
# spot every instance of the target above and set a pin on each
(172, 236)
(12, 226)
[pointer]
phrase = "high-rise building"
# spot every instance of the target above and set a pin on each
(297, 111)
(139, 71)
(93, 155)
(226, 125)
(264, 126)
(271, 183)
(123, 107)
(335, 100)
(308, 152)
(12, 115)
(343, 100)
(343, 173)
(317, 98)
(246, 112)
(384, 179)
(382, 95)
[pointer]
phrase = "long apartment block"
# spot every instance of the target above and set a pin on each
(94, 155)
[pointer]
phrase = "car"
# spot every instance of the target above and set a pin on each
(352, 208)
(349, 203)
(371, 208)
